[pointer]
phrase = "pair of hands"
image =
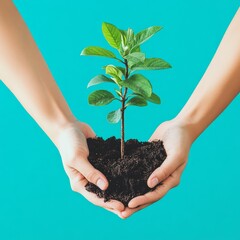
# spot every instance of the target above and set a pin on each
(74, 151)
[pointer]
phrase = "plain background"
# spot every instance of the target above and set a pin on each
(36, 201)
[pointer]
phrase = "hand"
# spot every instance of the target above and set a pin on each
(177, 142)
(73, 149)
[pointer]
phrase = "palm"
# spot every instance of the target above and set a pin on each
(177, 143)
(74, 151)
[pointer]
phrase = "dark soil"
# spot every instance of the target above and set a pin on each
(128, 177)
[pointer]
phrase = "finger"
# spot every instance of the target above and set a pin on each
(72, 173)
(153, 196)
(114, 204)
(90, 173)
(163, 172)
(118, 213)
(128, 211)
(156, 136)
(172, 181)
(78, 185)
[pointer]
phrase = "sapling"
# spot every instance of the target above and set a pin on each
(124, 77)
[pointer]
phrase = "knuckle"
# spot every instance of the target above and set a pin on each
(75, 184)
(72, 161)
(92, 176)
(177, 182)
(164, 173)
(74, 187)
(118, 206)
(87, 126)
(78, 155)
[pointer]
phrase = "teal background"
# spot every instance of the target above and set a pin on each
(36, 201)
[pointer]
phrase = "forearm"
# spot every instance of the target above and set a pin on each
(219, 85)
(25, 73)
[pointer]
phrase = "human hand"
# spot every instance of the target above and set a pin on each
(73, 149)
(177, 141)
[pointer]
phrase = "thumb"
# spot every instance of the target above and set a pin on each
(162, 172)
(91, 174)
(87, 130)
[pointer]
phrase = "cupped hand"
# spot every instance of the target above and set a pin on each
(73, 149)
(177, 141)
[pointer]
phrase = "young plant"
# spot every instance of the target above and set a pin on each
(133, 59)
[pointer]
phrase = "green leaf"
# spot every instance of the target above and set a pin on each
(124, 48)
(139, 84)
(114, 116)
(112, 34)
(127, 42)
(99, 79)
(122, 69)
(100, 98)
(97, 51)
(118, 92)
(123, 33)
(151, 64)
(137, 101)
(136, 49)
(130, 37)
(115, 73)
(154, 98)
(144, 35)
(123, 37)
(134, 58)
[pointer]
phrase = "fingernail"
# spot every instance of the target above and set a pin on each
(124, 214)
(154, 182)
(101, 184)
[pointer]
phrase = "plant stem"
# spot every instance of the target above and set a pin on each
(123, 111)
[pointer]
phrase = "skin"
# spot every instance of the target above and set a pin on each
(24, 71)
(218, 87)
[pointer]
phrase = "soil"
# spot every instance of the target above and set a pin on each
(128, 177)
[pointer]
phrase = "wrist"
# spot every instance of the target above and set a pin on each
(189, 124)
(59, 126)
